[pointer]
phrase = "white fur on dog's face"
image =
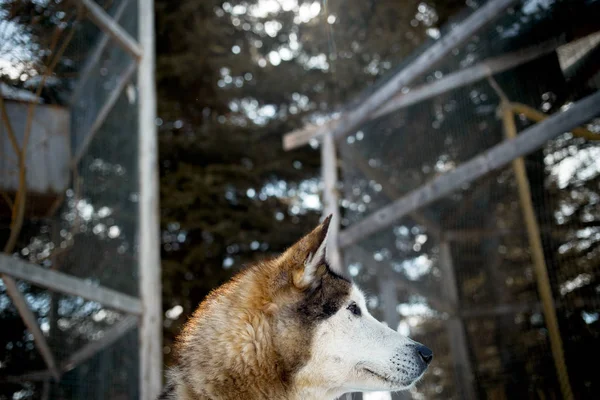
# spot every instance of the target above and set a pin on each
(358, 353)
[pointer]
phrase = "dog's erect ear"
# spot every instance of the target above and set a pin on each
(312, 250)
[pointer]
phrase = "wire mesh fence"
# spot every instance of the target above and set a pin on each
(86, 229)
(479, 231)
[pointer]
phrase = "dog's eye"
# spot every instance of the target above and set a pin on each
(354, 309)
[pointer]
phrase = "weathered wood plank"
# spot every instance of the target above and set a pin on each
(64, 283)
(498, 156)
(151, 352)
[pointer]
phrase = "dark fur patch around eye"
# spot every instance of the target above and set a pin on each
(324, 300)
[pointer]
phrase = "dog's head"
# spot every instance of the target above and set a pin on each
(326, 334)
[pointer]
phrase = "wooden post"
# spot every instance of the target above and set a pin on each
(463, 373)
(330, 199)
(537, 255)
(151, 362)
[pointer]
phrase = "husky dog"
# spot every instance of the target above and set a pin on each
(291, 328)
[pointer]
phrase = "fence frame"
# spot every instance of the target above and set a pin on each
(145, 310)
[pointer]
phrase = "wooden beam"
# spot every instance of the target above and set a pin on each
(110, 336)
(105, 22)
(329, 167)
(498, 156)
(64, 283)
(108, 105)
(463, 371)
(466, 77)
(93, 59)
(30, 321)
(151, 351)
(351, 120)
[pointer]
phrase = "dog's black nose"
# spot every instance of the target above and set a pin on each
(425, 353)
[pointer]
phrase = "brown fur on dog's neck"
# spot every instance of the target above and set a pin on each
(251, 336)
(218, 349)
